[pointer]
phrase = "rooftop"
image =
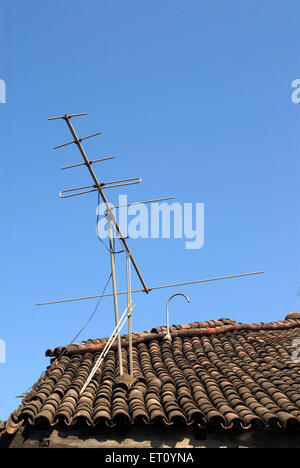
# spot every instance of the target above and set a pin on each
(217, 374)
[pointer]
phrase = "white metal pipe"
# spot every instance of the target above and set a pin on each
(113, 272)
(107, 347)
(128, 276)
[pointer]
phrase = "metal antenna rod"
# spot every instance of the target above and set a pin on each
(91, 162)
(113, 273)
(151, 289)
(98, 185)
(129, 308)
(144, 202)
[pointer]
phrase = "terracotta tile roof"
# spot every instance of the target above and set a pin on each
(214, 374)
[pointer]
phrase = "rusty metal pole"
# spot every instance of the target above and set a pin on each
(113, 273)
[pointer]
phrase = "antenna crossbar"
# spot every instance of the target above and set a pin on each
(105, 185)
(153, 288)
(91, 162)
(144, 202)
(92, 187)
(79, 140)
(67, 116)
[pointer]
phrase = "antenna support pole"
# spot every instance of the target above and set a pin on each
(129, 308)
(113, 273)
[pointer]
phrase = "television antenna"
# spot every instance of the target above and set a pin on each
(115, 231)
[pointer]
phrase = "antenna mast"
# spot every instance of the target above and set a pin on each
(113, 228)
(115, 231)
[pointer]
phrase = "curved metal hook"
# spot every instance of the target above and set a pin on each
(168, 335)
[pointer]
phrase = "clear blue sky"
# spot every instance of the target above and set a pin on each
(194, 97)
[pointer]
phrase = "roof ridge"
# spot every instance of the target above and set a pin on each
(208, 328)
(158, 330)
